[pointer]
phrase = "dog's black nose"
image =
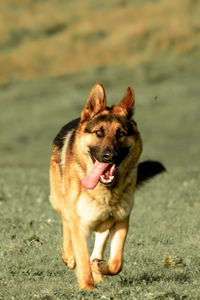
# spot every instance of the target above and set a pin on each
(107, 156)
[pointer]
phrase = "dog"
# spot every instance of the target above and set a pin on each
(93, 176)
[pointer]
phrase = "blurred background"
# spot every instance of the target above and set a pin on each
(55, 37)
(52, 52)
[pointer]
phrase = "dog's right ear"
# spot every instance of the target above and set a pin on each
(96, 102)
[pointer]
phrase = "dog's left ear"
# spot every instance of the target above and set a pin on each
(127, 102)
(126, 106)
(96, 102)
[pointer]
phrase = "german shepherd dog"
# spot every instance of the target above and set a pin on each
(93, 175)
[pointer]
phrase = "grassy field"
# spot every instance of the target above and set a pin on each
(162, 252)
(162, 258)
(57, 37)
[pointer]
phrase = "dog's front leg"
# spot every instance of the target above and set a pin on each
(114, 264)
(79, 235)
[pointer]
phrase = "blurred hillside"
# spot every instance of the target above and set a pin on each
(55, 37)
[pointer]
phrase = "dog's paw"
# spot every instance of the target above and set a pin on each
(96, 271)
(101, 265)
(69, 260)
(86, 285)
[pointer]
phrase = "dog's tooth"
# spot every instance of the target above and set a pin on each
(112, 169)
(105, 180)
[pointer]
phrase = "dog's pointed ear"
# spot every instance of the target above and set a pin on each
(96, 102)
(127, 103)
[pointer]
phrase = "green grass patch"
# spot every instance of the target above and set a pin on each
(161, 257)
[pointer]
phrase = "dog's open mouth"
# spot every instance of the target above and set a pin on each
(103, 172)
(108, 176)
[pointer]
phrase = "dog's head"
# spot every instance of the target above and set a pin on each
(110, 136)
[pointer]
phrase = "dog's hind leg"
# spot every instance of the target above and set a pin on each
(67, 251)
(97, 254)
(56, 196)
(57, 200)
(99, 244)
(114, 264)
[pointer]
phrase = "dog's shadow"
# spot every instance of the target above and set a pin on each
(148, 169)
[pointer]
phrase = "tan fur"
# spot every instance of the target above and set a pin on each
(103, 210)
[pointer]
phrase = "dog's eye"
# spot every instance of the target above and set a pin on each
(120, 134)
(99, 133)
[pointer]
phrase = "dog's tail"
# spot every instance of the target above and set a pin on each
(148, 169)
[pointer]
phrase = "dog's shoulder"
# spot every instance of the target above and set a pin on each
(64, 132)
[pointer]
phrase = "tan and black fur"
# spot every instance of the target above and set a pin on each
(109, 135)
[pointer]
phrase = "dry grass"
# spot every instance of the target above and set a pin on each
(40, 38)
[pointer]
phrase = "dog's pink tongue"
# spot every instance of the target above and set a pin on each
(90, 181)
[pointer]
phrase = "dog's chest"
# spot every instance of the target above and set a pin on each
(94, 211)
